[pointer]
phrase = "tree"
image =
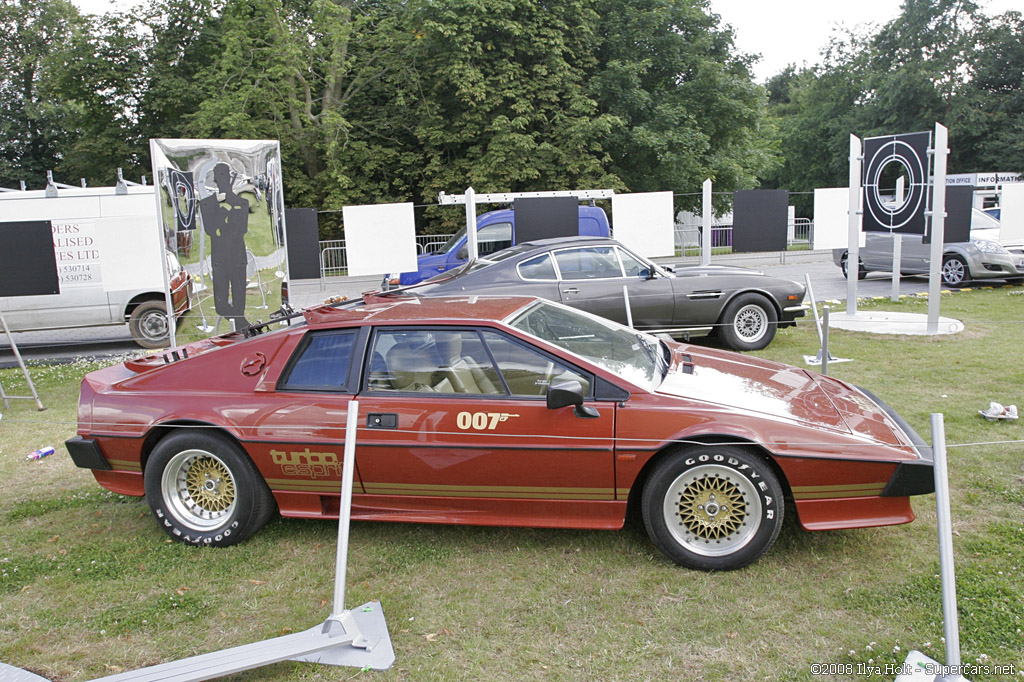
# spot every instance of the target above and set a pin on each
(33, 127)
(683, 102)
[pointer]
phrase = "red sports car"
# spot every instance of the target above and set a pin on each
(495, 411)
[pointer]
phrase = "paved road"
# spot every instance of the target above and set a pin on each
(65, 345)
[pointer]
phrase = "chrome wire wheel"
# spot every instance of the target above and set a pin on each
(751, 323)
(712, 510)
(199, 488)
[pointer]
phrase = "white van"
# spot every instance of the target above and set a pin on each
(108, 263)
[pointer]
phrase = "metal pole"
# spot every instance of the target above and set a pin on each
(938, 232)
(946, 568)
(348, 468)
(21, 363)
(471, 224)
(705, 235)
(629, 313)
(824, 343)
(897, 259)
(853, 250)
(814, 308)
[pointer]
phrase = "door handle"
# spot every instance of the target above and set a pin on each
(377, 420)
(572, 290)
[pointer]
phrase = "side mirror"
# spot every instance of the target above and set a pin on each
(462, 253)
(646, 273)
(568, 393)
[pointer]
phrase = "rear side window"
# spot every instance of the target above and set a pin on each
(540, 267)
(322, 364)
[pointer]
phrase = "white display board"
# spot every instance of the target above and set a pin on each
(831, 219)
(644, 223)
(1011, 213)
(380, 238)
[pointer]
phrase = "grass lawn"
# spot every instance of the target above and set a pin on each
(90, 586)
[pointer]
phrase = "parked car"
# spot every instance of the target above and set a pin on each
(983, 257)
(496, 230)
(744, 307)
(509, 411)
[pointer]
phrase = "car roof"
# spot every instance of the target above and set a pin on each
(384, 308)
(565, 241)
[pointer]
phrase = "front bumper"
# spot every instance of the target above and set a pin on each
(86, 454)
(910, 478)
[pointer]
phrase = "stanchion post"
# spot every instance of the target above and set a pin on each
(348, 468)
(629, 311)
(824, 342)
(950, 618)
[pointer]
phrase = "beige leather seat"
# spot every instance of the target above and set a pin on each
(410, 370)
(462, 372)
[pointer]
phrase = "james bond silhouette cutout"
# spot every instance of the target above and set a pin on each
(226, 221)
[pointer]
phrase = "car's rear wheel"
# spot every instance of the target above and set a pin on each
(713, 508)
(861, 272)
(148, 324)
(748, 322)
(954, 271)
(204, 490)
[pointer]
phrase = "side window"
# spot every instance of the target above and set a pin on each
(322, 364)
(631, 266)
(494, 238)
(541, 267)
(592, 262)
(432, 361)
(526, 371)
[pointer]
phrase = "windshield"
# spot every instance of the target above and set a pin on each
(632, 355)
(450, 244)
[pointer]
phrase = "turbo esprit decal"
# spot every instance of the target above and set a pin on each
(481, 421)
(308, 464)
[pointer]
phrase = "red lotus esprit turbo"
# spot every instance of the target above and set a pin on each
(495, 411)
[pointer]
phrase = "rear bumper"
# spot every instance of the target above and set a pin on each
(86, 454)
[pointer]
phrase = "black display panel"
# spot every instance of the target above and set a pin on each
(28, 265)
(546, 217)
(885, 159)
(303, 243)
(957, 227)
(759, 220)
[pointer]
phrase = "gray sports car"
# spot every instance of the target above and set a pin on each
(744, 307)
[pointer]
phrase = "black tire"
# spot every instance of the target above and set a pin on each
(747, 514)
(861, 272)
(954, 271)
(148, 324)
(204, 490)
(748, 322)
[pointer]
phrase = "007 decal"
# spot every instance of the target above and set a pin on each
(481, 421)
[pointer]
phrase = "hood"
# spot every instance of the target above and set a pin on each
(781, 391)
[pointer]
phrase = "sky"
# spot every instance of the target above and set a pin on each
(782, 31)
(787, 32)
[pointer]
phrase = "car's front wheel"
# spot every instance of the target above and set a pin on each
(204, 490)
(748, 322)
(713, 508)
(861, 272)
(954, 271)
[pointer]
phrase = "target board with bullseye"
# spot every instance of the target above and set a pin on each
(896, 178)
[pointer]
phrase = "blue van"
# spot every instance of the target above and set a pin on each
(496, 230)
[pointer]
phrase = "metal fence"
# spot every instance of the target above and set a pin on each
(334, 260)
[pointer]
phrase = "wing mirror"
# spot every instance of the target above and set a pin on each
(566, 393)
(462, 253)
(646, 273)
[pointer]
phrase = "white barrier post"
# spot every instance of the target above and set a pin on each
(950, 618)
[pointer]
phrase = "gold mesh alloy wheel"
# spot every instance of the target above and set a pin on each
(199, 489)
(209, 483)
(712, 510)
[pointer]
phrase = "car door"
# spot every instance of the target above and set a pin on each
(592, 278)
(456, 418)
